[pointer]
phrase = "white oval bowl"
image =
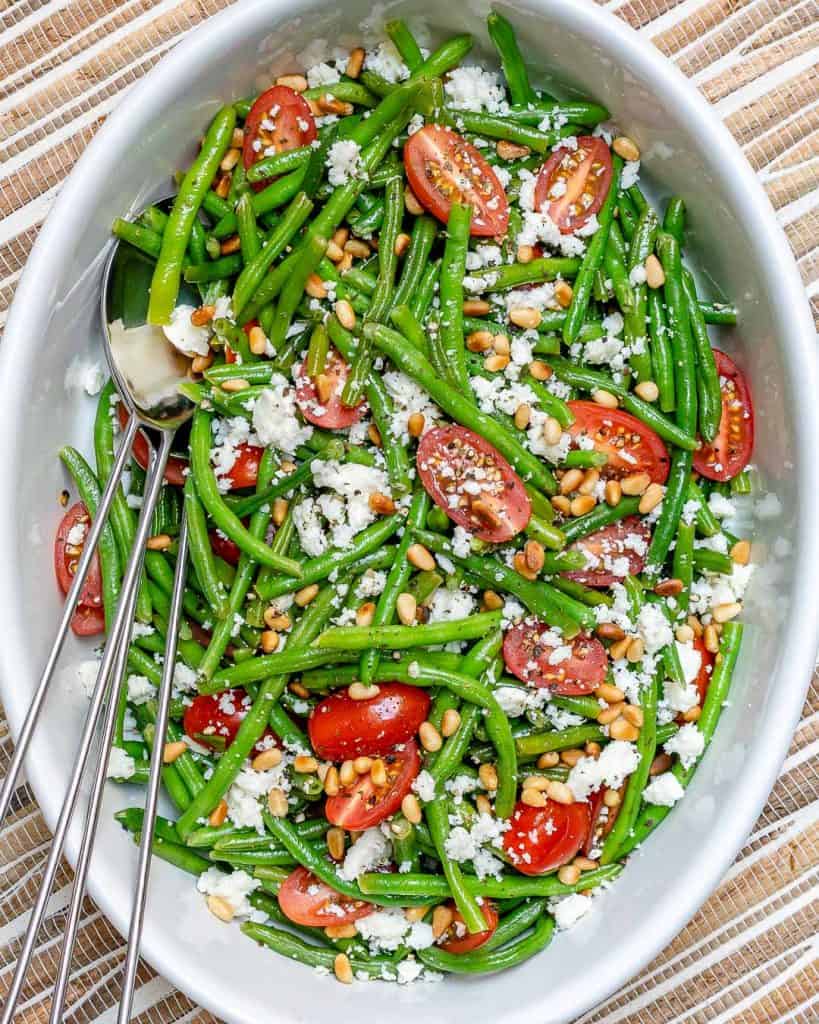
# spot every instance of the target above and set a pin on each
(736, 243)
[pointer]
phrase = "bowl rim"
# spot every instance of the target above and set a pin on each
(796, 328)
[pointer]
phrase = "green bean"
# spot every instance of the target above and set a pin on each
(512, 275)
(627, 215)
(718, 313)
(279, 163)
(403, 319)
(531, 747)
(422, 299)
(394, 638)
(591, 380)
(586, 595)
(201, 552)
(424, 230)
(248, 232)
(592, 259)
(346, 90)
(682, 344)
(131, 820)
(499, 127)
(408, 359)
(481, 961)
(707, 523)
(514, 70)
(437, 820)
(577, 112)
(405, 43)
(662, 360)
(712, 561)
(549, 536)
(293, 289)
(683, 566)
(709, 395)
(139, 236)
(549, 403)
(675, 491)
(317, 352)
(215, 270)
(226, 520)
(291, 946)
(674, 220)
(635, 334)
(179, 856)
(453, 269)
(614, 261)
(361, 280)
(168, 271)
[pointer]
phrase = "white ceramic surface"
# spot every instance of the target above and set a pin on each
(733, 236)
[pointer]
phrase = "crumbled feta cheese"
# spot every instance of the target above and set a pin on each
(85, 374)
(343, 161)
(654, 628)
(408, 398)
(424, 786)
(386, 930)
(243, 797)
(630, 174)
(617, 760)
(185, 336)
(233, 888)
(386, 61)
(120, 764)
(140, 689)
(569, 909)
(688, 744)
(370, 851)
(274, 417)
(663, 791)
(322, 74)
(185, 680)
(84, 674)
(344, 505)
(721, 506)
(450, 604)
(690, 660)
(472, 88)
(461, 542)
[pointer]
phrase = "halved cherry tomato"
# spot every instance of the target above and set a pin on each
(575, 182)
(630, 445)
(363, 804)
(331, 414)
(279, 120)
(444, 168)
(214, 719)
(224, 547)
(543, 838)
(527, 652)
(620, 550)
(245, 470)
(340, 727)
(306, 900)
(456, 939)
(706, 669)
(731, 449)
(174, 470)
(89, 618)
(473, 483)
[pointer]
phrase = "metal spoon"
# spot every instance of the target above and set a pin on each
(147, 370)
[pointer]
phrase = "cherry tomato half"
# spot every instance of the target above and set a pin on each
(279, 120)
(443, 168)
(89, 618)
(631, 446)
(176, 466)
(541, 839)
(731, 449)
(340, 727)
(306, 900)
(575, 182)
(473, 483)
(331, 413)
(363, 804)
(224, 547)
(456, 939)
(528, 652)
(245, 470)
(706, 669)
(619, 551)
(214, 719)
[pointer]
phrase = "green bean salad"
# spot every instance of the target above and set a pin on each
(462, 608)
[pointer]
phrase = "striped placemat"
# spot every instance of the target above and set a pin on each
(751, 955)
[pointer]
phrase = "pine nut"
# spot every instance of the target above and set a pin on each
(525, 316)
(651, 498)
(692, 714)
(230, 159)
(539, 370)
(257, 341)
(449, 722)
(610, 714)
(620, 729)
(201, 363)
(619, 648)
(533, 798)
(442, 918)
(647, 390)
(552, 430)
(334, 252)
(479, 341)
(315, 288)
(741, 552)
(202, 316)
(406, 606)
(522, 416)
(415, 424)
(411, 809)
(429, 736)
(273, 619)
(355, 62)
(159, 542)
(571, 480)
(381, 504)
(378, 773)
(501, 344)
(237, 139)
(590, 480)
(280, 507)
(495, 363)
(655, 275)
(235, 384)
(609, 631)
(636, 650)
(525, 253)
(511, 150)
(585, 864)
(626, 148)
(609, 693)
(343, 970)
(492, 601)
(548, 760)
(329, 104)
(605, 398)
(634, 715)
(269, 641)
(229, 246)
(362, 765)
(520, 566)
(613, 492)
(345, 313)
(411, 203)
(660, 764)
(483, 804)
(563, 294)
(219, 907)
(695, 625)
(223, 188)
(218, 815)
(418, 556)
(358, 691)
(611, 798)
(560, 793)
(402, 243)
(331, 781)
(488, 775)
(266, 760)
(305, 764)
(592, 749)
(277, 803)
(726, 612)
(347, 773)
(299, 690)
(534, 555)
(341, 931)
(415, 914)
(571, 757)
(561, 504)
(335, 843)
(365, 614)
(685, 634)
(173, 750)
(298, 83)
(582, 504)
(536, 782)
(569, 874)
(374, 435)
(475, 307)
(304, 596)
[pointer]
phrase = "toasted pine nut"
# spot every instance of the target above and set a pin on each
(173, 750)
(315, 288)
(609, 631)
(218, 814)
(492, 601)
(415, 424)
(605, 398)
(229, 160)
(613, 492)
(590, 480)
(257, 341)
(511, 150)
(495, 363)
(571, 480)
(537, 782)
(609, 693)
(219, 907)
(274, 619)
(280, 507)
(684, 633)
(651, 498)
(636, 650)
(488, 775)
(381, 504)
(449, 722)
(329, 104)
(402, 243)
(277, 803)
(525, 253)
(569, 874)
(608, 715)
(343, 970)
(532, 798)
(360, 691)
(414, 914)
(299, 690)
(230, 245)
(159, 542)
(741, 552)
(502, 345)
(237, 139)
(692, 714)
(484, 804)
(201, 363)
(633, 714)
(540, 370)
(520, 566)
(571, 757)
(345, 313)
(406, 606)
(534, 555)
(202, 316)
(235, 384)
(442, 918)
(335, 843)
(411, 809)
(552, 430)
(365, 614)
(548, 760)
(266, 759)
(378, 773)
(479, 341)
(523, 414)
(304, 596)
(582, 504)
(306, 764)
(585, 863)
(298, 83)
(355, 62)
(418, 556)
(560, 793)
(655, 275)
(347, 773)
(340, 931)
(411, 203)
(611, 798)
(660, 764)
(269, 641)
(222, 187)
(362, 765)
(429, 736)
(726, 612)
(619, 648)
(374, 435)
(525, 316)
(695, 625)
(334, 252)
(562, 504)
(626, 148)
(563, 294)
(620, 729)
(592, 749)
(647, 390)
(331, 781)
(475, 307)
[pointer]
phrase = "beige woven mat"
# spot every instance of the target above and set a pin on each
(751, 954)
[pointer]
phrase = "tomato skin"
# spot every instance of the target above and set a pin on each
(703, 680)
(548, 836)
(434, 158)
(608, 428)
(89, 617)
(222, 713)
(361, 805)
(612, 540)
(176, 467)
(333, 414)
(582, 672)
(731, 456)
(448, 458)
(306, 900)
(340, 727)
(224, 547)
(287, 132)
(587, 169)
(245, 470)
(465, 943)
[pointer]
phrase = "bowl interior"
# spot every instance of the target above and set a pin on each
(732, 240)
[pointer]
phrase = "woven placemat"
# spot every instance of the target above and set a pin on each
(751, 955)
